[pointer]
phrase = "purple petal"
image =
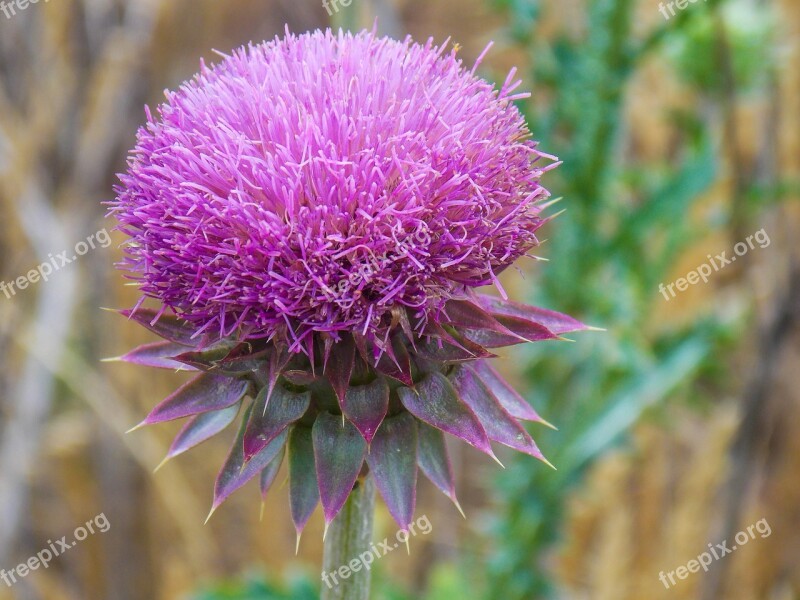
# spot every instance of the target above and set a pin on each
(405, 324)
(435, 461)
(271, 369)
(465, 314)
(392, 460)
(303, 490)
(234, 473)
(200, 428)
(339, 367)
(297, 377)
(556, 322)
(204, 393)
(447, 349)
(506, 395)
(492, 339)
(366, 406)
(435, 331)
(270, 472)
(159, 355)
(167, 326)
(339, 452)
(528, 330)
(210, 357)
(396, 363)
(271, 417)
(436, 402)
(363, 349)
(499, 425)
(242, 360)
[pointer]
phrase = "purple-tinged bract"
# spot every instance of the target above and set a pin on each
(313, 215)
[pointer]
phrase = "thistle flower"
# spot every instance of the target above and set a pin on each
(313, 216)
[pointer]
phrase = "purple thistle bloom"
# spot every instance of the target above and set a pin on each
(315, 183)
(316, 211)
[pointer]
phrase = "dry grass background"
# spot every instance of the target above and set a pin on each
(75, 74)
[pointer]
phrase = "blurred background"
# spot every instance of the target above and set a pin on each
(679, 127)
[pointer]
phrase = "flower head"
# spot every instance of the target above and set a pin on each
(315, 183)
(316, 212)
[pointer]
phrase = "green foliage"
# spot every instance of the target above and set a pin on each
(446, 582)
(748, 33)
(256, 587)
(525, 13)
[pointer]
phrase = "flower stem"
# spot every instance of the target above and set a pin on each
(349, 535)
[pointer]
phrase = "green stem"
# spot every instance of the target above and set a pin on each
(349, 535)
